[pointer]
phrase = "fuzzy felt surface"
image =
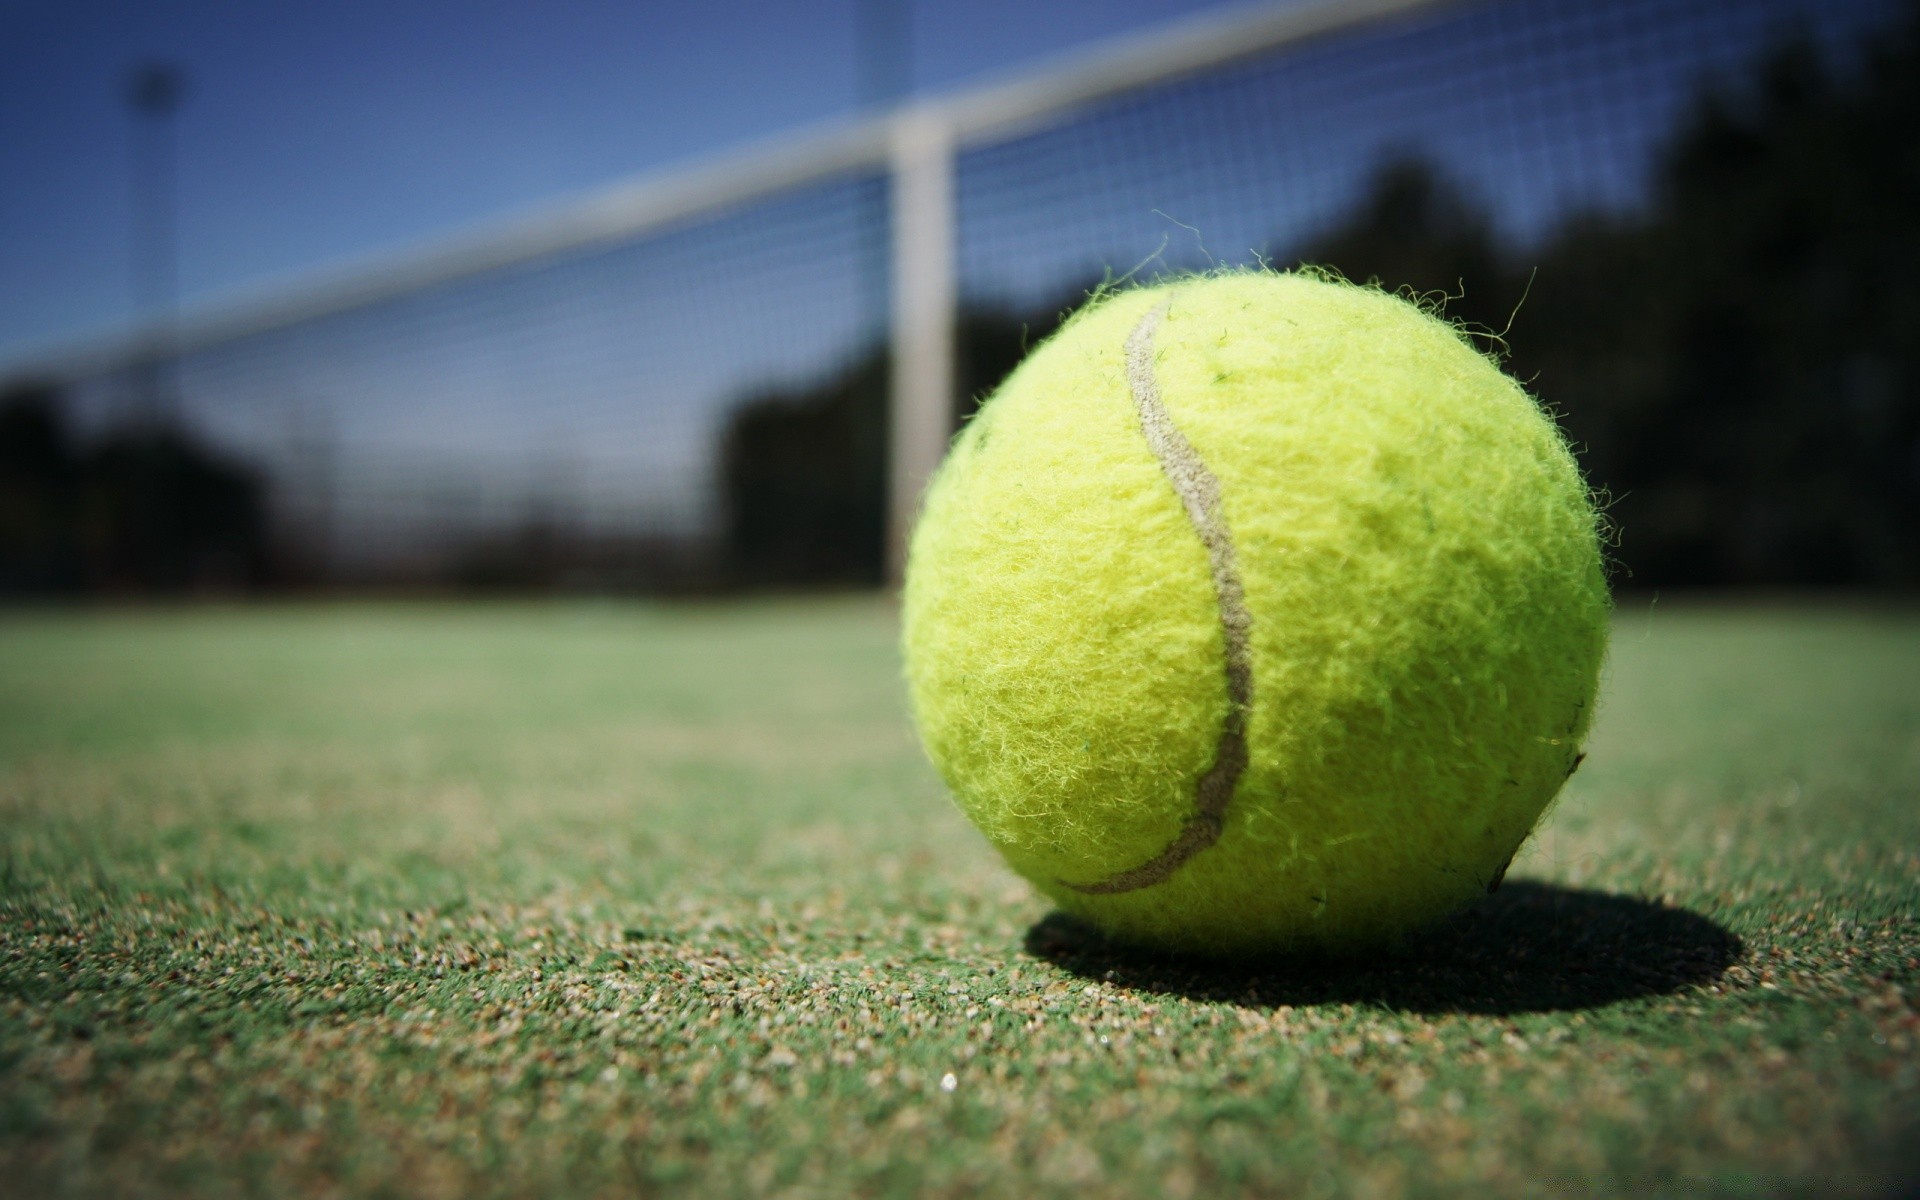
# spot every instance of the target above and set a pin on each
(1425, 615)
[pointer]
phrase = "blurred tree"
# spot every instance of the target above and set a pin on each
(1419, 234)
(803, 481)
(1738, 364)
(161, 513)
(39, 494)
(144, 509)
(803, 472)
(1743, 365)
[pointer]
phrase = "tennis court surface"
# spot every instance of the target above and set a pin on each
(466, 899)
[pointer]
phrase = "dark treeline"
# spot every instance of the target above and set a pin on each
(1737, 361)
(803, 472)
(140, 509)
(1738, 364)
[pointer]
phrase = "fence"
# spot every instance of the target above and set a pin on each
(744, 372)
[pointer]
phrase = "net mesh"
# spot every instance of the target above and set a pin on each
(1534, 110)
(705, 403)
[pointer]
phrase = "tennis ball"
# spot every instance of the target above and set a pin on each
(1256, 612)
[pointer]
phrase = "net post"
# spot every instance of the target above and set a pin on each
(923, 315)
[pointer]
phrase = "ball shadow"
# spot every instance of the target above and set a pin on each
(1530, 947)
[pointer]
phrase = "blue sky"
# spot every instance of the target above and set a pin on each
(601, 384)
(316, 133)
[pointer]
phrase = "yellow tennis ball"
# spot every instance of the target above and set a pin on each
(1256, 612)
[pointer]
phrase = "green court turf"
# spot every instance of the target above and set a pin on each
(439, 900)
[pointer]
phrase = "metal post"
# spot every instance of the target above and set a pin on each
(924, 311)
(154, 92)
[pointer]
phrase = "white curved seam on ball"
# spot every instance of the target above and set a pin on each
(1200, 495)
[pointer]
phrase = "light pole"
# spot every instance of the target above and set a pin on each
(154, 93)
